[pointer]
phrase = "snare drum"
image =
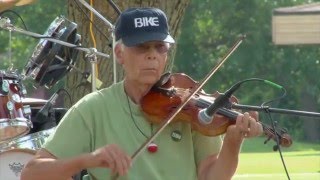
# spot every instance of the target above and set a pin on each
(14, 116)
(32, 141)
(15, 155)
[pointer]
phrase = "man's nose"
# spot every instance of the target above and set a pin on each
(152, 53)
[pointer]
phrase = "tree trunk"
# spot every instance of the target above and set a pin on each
(76, 83)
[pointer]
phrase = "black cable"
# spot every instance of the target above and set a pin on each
(96, 27)
(68, 94)
(273, 123)
(24, 25)
(115, 7)
(135, 123)
(266, 108)
(276, 99)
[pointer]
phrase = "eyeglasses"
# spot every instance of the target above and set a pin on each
(161, 47)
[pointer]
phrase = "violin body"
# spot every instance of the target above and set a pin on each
(161, 101)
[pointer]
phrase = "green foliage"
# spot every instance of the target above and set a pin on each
(211, 27)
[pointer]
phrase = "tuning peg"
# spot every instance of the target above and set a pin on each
(267, 140)
(284, 130)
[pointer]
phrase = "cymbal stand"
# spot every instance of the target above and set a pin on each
(73, 66)
(10, 51)
(91, 56)
(111, 29)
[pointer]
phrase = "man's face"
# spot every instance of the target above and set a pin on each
(145, 62)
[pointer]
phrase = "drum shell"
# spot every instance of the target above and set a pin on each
(15, 154)
(13, 161)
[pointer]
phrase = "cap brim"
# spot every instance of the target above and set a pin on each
(145, 37)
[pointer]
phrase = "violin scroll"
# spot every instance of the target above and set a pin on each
(283, 137)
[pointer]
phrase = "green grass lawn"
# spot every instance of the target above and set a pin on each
(258, 161)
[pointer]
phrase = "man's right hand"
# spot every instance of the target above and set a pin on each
(45, 165)
(111, 156)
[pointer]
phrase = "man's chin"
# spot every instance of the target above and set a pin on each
(150, 80)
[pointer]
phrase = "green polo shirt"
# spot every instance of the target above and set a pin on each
(104, 117)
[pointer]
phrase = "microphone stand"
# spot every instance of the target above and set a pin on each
(93, 60)
(111, 29)
(91, 52)
(273, 110)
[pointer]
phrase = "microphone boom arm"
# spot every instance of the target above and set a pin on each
(10, 27)
(274, 110)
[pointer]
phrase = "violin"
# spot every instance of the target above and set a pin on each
(172, 89)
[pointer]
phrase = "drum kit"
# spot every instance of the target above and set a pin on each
(47, 65)
(21, 130)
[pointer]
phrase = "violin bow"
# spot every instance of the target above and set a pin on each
(169, 119)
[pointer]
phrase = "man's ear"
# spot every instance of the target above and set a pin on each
(118, 53)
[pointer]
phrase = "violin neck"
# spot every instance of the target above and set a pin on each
(228, 113)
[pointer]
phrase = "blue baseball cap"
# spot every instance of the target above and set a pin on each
(139, 25)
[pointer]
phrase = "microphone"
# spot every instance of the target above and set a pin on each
(43, 113)
(205, 116)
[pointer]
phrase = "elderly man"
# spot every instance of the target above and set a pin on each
(102, 130)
